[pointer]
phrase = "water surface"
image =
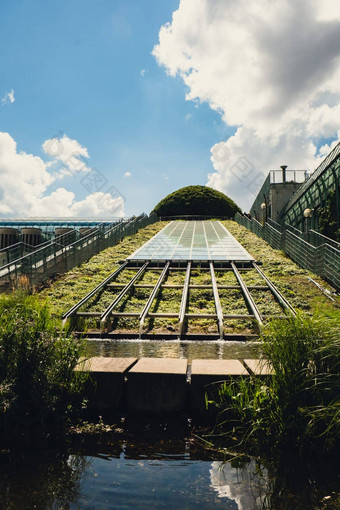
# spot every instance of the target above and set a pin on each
(188, 349)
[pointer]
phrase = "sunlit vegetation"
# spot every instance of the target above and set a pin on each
(297, 407)
(291, 280)
(196, 200)
(39, 388)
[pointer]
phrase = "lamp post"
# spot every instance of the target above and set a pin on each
(264, 212)
(308, 213)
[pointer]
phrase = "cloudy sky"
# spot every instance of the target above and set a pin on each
(107, 106)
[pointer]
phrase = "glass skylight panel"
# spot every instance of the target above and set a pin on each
(192, 240)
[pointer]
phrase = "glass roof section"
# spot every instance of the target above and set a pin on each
(192, 240)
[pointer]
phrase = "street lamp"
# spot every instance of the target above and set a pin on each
(308, 213)
(264, 212)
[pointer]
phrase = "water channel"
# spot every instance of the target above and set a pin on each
(219, 349)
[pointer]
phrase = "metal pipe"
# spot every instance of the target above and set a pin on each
(103, 284)
(247, 295)
(217, 301)
(106, 314)
(152, 297)
(184, 300)
(280, 298)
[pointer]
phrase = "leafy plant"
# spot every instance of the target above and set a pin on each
(39, 387)
(196, 200)
(299, 405)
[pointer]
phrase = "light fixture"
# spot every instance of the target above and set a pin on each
(263, 205)
(308, 213)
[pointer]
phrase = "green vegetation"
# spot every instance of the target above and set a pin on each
(296, 408)
(39, 388)
(76, 283)
(196, 200)
(329, 226)
(290, 279)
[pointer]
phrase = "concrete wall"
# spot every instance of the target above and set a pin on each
(280, 194)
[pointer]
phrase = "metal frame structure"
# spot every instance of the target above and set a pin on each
(105, 317)
(313, 251)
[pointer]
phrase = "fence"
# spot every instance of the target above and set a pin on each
(57, 256)
(311, 250)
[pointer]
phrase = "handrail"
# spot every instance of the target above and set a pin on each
(43, 257)
(297, 244)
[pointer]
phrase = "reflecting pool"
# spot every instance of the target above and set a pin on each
(152, 470)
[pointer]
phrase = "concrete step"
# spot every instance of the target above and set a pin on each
(161, 386)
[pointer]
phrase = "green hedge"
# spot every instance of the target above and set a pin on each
(196, 200)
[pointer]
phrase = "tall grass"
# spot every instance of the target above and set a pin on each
(38, 385)
(297, 407)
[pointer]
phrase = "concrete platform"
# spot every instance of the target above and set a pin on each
(259, 367)
(157, 386)
(206, 372)
(104, 389)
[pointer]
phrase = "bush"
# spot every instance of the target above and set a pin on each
(38, 385)
(196, 200)
(299, 406)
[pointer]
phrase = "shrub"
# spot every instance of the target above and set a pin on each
(299, 405)
(196, 200)
(38, 385)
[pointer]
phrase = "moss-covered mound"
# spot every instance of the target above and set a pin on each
(196, 200)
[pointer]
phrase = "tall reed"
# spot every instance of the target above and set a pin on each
(298, 406)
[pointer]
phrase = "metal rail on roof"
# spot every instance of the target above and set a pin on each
(105, 317)
(217, 301)
(152, 297)
(72, 311)
(280, 298)
(205, 246)
(184, 300)
(247, 295)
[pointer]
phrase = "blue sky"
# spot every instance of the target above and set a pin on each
(85, 69)
(154, 95)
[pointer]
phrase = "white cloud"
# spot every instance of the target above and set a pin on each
(127, 174)
(69, 152)
(271, 68)
(24, 182)
(142, 72)
(8, 98)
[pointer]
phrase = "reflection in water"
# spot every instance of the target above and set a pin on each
(151, 471)
(247, 485)
(40, 482)
(219, 349)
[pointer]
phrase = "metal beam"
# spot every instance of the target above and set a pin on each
(217, 301)
(178, 286)
(184, 300)
(152, 297)
(165, 314)
(106, 314)
(280, 298)
(248, 298)
(99, 287)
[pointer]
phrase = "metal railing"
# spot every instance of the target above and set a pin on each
(310, 250)
(56, 256)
